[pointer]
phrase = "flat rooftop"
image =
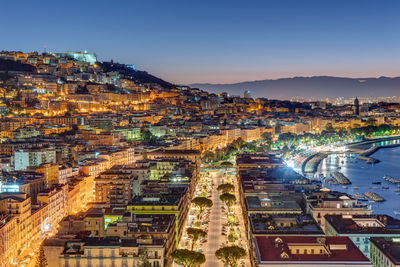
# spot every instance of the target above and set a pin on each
(388, 246)
(307, 249)
(364, 224)
(272, 203)
(284, 224)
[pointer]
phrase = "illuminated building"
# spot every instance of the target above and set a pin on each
(172, 201)
(308, 251)
(115, 187)
(18, 205)
(56, 199)
(110, 252)
(321, 203)
(31, 183)
(50, 172)
(360, 228)
(8, 238)
(385, 252)
(33, 157)
(79, 56)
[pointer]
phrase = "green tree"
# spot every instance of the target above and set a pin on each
(267, 137)
(188, 258)
(195, 234)
(228, 199)
(370, 122)
(41, 260)
(226, 164)
(202, 203)
(329, 127)
(238, 143)
(231, 255)
(209, 156)
(226, 188)
(144, 258)
(148, 137)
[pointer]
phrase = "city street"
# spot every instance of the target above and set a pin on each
(218, 218)
(215, 239)
(216, 221)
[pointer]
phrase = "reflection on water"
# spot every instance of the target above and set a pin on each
(362, 175)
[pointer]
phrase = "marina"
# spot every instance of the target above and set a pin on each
(366, 178)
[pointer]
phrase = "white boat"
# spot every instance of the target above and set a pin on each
(396, 212)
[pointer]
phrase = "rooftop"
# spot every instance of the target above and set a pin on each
(272, 203)
(307, 249)
(388, 246)
(364, 224)
(283, 224)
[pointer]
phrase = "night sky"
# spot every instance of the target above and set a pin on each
(216, 41)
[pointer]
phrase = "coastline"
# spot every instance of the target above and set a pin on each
(365, 154)
(366, 177)
(310, 165)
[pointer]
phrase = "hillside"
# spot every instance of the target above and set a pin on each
(138, 76)
(311, 87)
(10, 65)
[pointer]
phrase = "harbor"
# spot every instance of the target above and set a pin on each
(381, 178)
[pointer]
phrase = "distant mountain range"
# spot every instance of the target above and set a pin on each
(317, 87)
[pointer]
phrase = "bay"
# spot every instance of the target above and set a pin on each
(362, 175)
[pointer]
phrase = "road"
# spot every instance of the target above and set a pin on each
(217, 218)
(214, 237)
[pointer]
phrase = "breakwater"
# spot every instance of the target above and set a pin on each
(340, 178)
(374, 196)
(366, 155)
(392, 180)
(311, 164)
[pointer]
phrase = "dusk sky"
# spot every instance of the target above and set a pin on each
(216, 41)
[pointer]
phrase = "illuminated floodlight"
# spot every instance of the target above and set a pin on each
(290, 163)
(46, 227)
